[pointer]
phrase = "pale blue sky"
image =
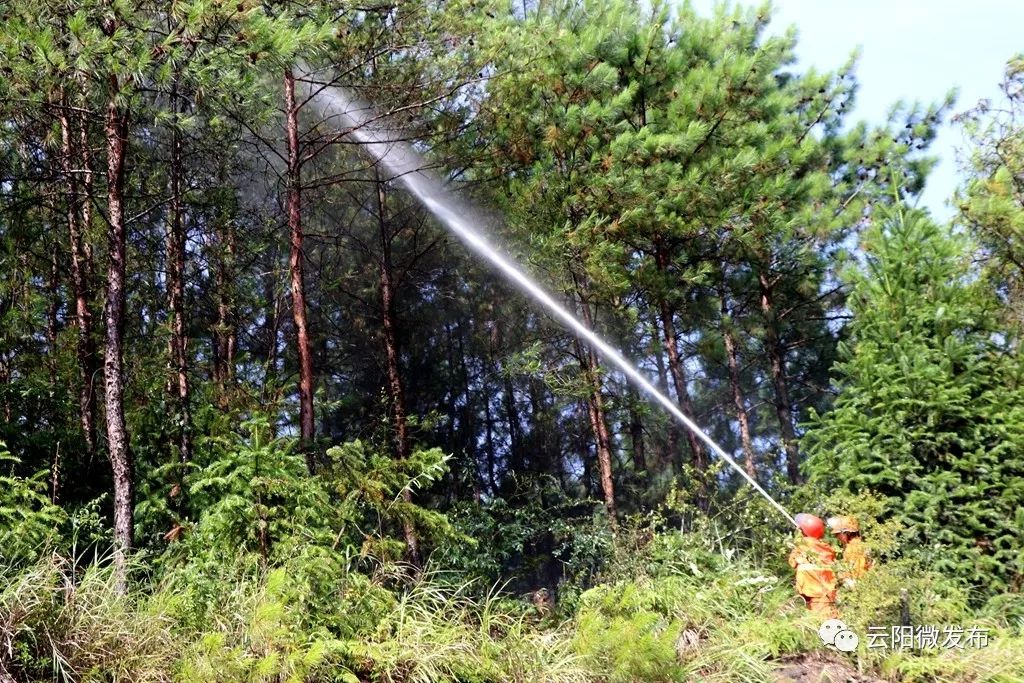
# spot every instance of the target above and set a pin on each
(910, 50)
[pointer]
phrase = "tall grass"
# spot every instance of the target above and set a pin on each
(438, 633)
(60, 624)
(66, 623)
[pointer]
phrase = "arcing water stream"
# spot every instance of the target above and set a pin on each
(406, 165)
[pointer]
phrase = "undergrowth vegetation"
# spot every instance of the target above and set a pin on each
(261, 591)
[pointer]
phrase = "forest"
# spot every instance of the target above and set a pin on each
(263, 418)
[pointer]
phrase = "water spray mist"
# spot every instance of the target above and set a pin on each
(406, 166)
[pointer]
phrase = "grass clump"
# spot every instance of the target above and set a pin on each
(63, 624)
(714, 618)
(442, 633)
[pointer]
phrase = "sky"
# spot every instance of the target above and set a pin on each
(910, 50)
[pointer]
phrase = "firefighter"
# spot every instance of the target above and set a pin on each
(855, 554)
(812, 558)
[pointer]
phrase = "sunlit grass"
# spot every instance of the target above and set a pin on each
(65, 622)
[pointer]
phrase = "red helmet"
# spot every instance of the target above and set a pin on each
(810, 525)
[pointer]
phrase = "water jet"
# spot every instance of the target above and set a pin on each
(364, 125)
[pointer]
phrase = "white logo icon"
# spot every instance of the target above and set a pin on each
(838, 635)
(828, 631)
(846, 641)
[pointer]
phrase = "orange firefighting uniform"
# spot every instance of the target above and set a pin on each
(812, 559)
(855, 557)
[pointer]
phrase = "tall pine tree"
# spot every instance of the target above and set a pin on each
(992, 203)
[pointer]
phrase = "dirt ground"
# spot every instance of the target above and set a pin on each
(820, 669)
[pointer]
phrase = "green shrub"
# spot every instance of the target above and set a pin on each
(28, 521)
(930, 408)
(677, 611)
(1006, 609)
(636, 647)
(690, 613)
(257, 636)
(536, 537)
(876, 599)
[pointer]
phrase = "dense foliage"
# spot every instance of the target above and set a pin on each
(929, 407)
(262, 419)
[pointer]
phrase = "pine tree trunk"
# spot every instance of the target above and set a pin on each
(271, 324)
(599, 427)
(78, 215)
(583, 447)
(776, 357)
(467, 426)
(224, 332)
(217, 363)
(489, 441)
(115, 132)
(493, 342)
(396, 389)
(597, 414)
(678, 374)
(665, 454)
(636, 435)
(452, 392)
(51, 341)
(270, 394)
(749, 463)
(5, 379)
(604, 454)
(178, 343)
(296, 267)
(543, 431)
(676, 369)
(227, 308)
(52, 309)
(516, 461)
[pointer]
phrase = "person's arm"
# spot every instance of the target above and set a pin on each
(797, 556)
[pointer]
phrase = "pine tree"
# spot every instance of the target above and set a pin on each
(992, 203)
(930, 411)
(664, 162)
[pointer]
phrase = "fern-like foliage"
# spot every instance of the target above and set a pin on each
(368, 489)
(28, 520)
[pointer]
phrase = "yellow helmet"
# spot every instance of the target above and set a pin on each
(844, 524)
